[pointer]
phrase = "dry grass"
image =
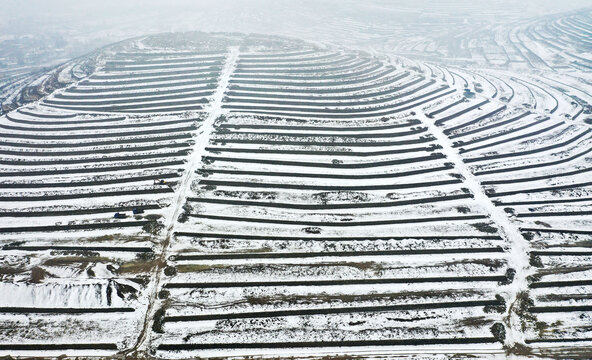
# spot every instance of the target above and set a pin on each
(477, 321)
(8, 270)
(346, 298)
(70, 260)
(189, 268)
(565, 270)
(37, 275)
(118, 238)
(136, 267)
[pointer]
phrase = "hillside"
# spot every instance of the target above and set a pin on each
(221, 194)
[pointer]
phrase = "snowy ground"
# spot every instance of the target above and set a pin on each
(295, 199)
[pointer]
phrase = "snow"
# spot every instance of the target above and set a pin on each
(233, 214)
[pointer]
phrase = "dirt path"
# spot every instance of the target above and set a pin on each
(518, 256)
(214, 110)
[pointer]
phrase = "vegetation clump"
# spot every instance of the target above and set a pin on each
(37, 275)
(153, 227)
(312, 230)
(500, 308)
(485, 228)
(499, 332)
(159, 320)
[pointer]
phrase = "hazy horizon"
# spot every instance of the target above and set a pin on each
(81, 27)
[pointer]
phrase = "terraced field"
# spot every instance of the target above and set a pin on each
(234, 195)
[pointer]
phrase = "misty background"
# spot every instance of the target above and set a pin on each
(38, 33)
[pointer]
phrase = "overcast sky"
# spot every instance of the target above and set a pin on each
(125, 15)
